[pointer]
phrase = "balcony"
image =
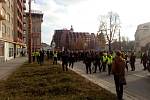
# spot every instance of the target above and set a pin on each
(24, 1)
(2, 15)
(2, 0)
(24, 14)
(24, 7)
(24, 29)
(24, 21)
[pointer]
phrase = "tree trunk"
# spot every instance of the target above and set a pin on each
(109, 44)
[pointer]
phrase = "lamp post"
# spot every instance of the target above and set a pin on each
(29, 34)
(85, 46)
(53, 45)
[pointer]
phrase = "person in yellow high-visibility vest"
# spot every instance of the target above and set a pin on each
(104, 61)
(33, 56)
(109, 63)
(55, 58)
(37, 56)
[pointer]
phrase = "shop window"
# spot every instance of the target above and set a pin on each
(11, 52)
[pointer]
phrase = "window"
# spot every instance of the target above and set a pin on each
(8, 3)
(3, 28)
(8, 15)
(0, 26)
(1, 48)
(8, 32)
(11, 51)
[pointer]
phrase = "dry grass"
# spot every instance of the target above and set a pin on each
(49, 82)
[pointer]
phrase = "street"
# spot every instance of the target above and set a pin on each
(138, 81)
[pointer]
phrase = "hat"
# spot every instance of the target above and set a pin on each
(118, 53)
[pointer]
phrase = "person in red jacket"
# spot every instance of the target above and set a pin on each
(118, 69)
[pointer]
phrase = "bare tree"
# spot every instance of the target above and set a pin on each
(109, 25)
(101, 41)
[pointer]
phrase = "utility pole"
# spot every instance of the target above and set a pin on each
(29, 34)
(119, 40)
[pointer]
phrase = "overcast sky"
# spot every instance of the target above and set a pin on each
(84, 15)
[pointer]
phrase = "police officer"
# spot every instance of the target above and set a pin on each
(33, 56)
(109, 63)
(104, 61)
(55, 58)
(37, 53)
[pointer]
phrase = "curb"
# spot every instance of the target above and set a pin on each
(106, 85)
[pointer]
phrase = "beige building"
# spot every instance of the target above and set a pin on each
(19, 21)
(142, 36)
(6, 30)
(11, 28)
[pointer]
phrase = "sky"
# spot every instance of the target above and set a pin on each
(84, 15)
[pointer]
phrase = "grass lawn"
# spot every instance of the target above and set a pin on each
(49, 82)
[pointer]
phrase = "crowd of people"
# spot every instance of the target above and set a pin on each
(111, 62)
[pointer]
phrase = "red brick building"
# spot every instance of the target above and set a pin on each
(71, 40)
(37, 19)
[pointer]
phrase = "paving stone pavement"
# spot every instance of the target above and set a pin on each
(107, 82)
(6, 68)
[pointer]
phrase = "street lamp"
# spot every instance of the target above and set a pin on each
(53, 45)
(85, 45)
(29, 34)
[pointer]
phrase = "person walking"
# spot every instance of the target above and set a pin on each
(38, 57)
(126, 59)
(41, 57)
(64, 58)
(118, 69)
(144, 60)
(97, 62)
(71, 60)
(109, 63)
(104, 61)
(132, 61)
(88, 62)
(55, 58)
(33, 56)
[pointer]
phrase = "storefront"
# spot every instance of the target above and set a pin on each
(1, 51)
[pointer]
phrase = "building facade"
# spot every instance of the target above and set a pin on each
(9, 28)
(37, 19)
(19, 12)
(142, 36)
(7, 31)
(70, 40)
(2, 18)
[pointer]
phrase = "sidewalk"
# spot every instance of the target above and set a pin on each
(105, 84)
(8, 67)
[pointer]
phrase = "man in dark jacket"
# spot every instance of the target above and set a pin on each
(65, 57)
(144, 60)
(97, 62)
(41, 57)
(132, 61)
(88, 62)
